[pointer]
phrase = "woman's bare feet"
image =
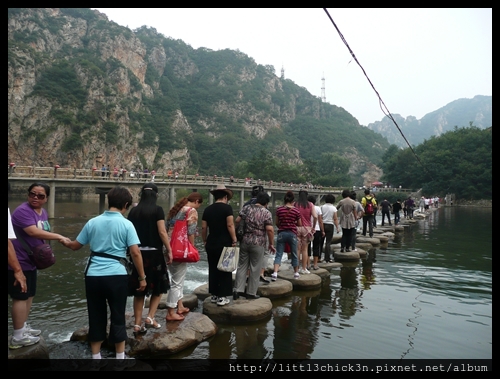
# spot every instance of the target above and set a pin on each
(173, 316)
(182, 310)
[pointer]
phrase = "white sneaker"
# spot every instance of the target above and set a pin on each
(214, 299)
(30, 330)
(274, 276)
(304, 271)
(223, 301)
(296, 275)
(27, 340)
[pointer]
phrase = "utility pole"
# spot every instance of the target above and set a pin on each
(323, 96)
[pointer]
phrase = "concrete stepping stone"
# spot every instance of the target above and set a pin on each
(238, 311)
(349, 256)
(276, 289)
(374, 241)
(305, 282)
(329, 266)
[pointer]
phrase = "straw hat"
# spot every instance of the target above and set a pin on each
(222, 188)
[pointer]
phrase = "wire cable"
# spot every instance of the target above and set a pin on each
(383, 107)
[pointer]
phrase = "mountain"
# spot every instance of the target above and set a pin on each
(458, 113)
(84, 91)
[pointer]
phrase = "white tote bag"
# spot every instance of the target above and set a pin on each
(228, 261)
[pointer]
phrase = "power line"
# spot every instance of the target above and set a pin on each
(381, 102)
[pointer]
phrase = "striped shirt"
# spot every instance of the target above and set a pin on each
(287, 218)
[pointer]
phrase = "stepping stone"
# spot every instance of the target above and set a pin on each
(362, 253)
(306, 282)
(349, 256)
(329, 266)
(37, 353)
(189, 300)
(381, 237)
(363, 245)
(238, 311)
(321, 272)
(202, 292)
(389, 235)
(336, 239)
(276, 289)
(172, 337)
(373, 241)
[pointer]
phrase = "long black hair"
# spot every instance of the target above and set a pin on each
(302, 200)
(147, 203)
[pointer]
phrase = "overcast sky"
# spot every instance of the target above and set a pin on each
(418, 60)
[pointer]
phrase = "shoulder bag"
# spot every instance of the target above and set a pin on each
(182, 249)
(42, 255)
(228, 261)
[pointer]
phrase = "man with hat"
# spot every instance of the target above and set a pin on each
(217, 231)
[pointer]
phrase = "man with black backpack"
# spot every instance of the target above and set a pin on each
(369, 204)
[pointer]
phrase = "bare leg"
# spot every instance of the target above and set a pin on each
(119, 347)
(181, 308)
(154, 301)
(138, 308)
(96, 347)
(315, 262)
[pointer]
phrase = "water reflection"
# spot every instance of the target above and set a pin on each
(295, 330)
(367, 274)
(429, 290)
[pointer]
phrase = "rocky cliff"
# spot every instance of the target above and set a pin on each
(84, 91)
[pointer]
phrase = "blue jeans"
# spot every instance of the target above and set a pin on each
(284, 237)
(396, 218)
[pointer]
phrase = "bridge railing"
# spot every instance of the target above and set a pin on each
(163, 177)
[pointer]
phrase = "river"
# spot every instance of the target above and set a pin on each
(427, 294)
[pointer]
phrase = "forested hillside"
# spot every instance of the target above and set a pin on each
(459, 162)
(84, 91)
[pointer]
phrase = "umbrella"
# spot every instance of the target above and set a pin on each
(377, 184)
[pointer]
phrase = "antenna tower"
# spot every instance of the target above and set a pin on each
(282, 72)
(323, 96)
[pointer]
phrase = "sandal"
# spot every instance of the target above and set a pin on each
(152, 323)
(139, 329)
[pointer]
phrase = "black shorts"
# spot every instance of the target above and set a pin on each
(15, 290)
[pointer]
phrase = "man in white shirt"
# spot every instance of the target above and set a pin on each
(330, 220)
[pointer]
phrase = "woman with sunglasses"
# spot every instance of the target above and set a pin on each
(31, 223)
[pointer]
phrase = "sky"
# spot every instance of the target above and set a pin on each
(417, 60)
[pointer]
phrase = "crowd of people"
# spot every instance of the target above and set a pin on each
(304, 230)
